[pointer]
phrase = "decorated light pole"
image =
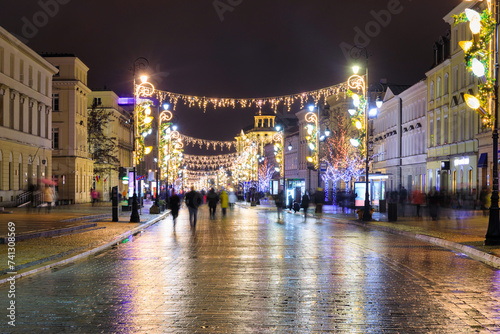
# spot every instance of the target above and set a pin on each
(314, 138)
(145, 89)
(481, 57)
(359, 116)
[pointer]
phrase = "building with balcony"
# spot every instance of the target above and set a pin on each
(25, 119)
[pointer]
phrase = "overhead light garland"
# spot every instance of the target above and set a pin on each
(273, 102)
(208, 143)
(210, 162)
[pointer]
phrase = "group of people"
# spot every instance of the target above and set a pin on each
(194, 200)
(302, 203)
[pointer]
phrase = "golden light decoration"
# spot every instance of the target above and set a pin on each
(145, 89)
(202, 102)
(279, 152)
(312, 138)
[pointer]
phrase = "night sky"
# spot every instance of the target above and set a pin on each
(245, 48)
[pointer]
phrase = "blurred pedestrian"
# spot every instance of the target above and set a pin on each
(49, 197)
(212, 199)
(224, 202)
(403, 197)
(417, 198)
(279, 201)
(433, 202)
(94, 195)
(175, 205)
(319, 200)
(193, 201)
(304, 204)
(232, 199)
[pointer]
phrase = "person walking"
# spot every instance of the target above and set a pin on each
(175, 204)
(279, 201)
(49, 197)
(193, 201)
(305, 204)
(212, 199)
(319, 199)
(224, 202)
(232, 199)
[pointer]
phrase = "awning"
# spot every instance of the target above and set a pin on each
(483, 161)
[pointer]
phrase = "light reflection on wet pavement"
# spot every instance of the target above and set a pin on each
(248, 273)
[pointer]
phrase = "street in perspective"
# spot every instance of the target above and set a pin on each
(232, 166)
(249, 272)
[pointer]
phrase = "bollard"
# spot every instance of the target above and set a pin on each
(114, 201)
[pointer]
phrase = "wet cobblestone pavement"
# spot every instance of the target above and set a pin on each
(249, 273)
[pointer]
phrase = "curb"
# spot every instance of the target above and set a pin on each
(47, 233)
(88, 253)
(473, 253)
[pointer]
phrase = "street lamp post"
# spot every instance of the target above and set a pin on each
(478, 57)
(361, 84)
(139, 63)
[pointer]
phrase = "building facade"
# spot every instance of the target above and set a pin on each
(72, 163)
(453, 127)
(25, 119)
(119, 127)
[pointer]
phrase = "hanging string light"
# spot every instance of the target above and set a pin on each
(273, 102)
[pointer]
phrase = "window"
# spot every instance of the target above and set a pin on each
(39, 82)
(438, 132)
(12, 65)
(431, 91)
(1, 108)
(463, 126)
(55, 138)
(446, 84)
(431, 133)
(30, 77)
(55, 102)
(21, 70)
(455, 127)
(455, 79)
(438, 87)
(97, 101)
(1, 60)
(464, 76)
(445, 130)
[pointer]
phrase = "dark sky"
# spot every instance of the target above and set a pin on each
(250, 48)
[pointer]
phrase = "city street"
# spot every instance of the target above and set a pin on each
(250, 273)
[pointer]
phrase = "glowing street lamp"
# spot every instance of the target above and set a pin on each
(485, 30)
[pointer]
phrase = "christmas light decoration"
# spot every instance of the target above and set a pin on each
(274, 102)
(478, 56)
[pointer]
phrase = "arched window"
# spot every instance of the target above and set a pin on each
(438, 87)
(431, 91)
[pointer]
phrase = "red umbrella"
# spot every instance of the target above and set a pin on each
(48, 182)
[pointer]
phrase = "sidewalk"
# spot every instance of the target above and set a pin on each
(460, 230)
(41, 253)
